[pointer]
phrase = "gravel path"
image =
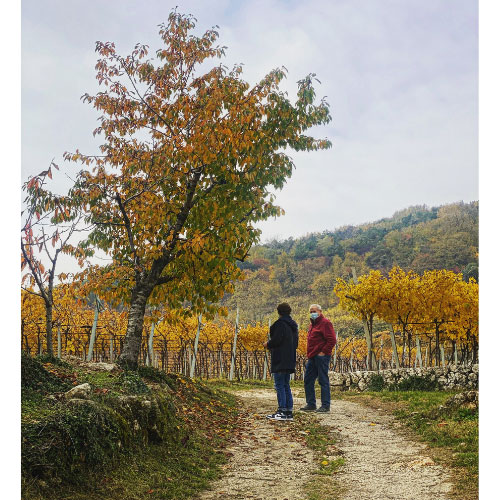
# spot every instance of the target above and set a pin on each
(264, 465)
(380, 462)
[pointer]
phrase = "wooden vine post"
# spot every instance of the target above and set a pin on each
(235, 340)
(111, 351)
(394, 349)
(150, 345)
(196, 340)
(419, 353)
(99, 306)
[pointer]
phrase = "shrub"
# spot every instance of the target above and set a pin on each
(376, 383)
(416, 383)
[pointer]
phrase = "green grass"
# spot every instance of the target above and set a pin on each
(320, 438)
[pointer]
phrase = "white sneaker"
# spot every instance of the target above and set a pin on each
(277, 416)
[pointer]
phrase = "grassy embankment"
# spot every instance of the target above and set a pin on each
(138, 435)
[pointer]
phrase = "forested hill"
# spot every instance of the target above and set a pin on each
(304, 270)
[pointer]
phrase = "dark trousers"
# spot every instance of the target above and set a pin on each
(317, 368)
(283, 392)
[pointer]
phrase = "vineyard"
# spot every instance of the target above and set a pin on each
(431, 320)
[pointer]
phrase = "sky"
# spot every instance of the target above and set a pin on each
(401, 79)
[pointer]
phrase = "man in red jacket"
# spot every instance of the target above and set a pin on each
(321, 340)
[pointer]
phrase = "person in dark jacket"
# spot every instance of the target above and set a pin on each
(321, 339)
(283, 343)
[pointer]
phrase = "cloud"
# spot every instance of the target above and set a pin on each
(401, 79)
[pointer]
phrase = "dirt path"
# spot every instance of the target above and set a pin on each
(380, 463)
(264, 465)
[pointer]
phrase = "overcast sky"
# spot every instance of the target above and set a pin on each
(400, 77)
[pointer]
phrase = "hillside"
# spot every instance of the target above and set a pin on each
(304, 270)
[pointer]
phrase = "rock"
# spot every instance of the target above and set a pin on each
(449, 378)
(107, 367)
(336, 379)
(81, 391)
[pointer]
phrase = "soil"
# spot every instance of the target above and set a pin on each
(381, 462)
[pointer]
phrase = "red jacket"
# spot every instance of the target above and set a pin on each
(320, 337)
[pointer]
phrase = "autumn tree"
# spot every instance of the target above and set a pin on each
(186, 168)
(49, 223)
(363, 299)
(439, 295)
(399, 304)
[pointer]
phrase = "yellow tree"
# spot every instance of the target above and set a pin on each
(399, 304)
(185, 170)
(363, 300)
(439, 295)
(32, 320)
(464, 328)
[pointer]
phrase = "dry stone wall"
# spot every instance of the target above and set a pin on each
(448, 378)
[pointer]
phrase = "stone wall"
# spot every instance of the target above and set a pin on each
(449, 378)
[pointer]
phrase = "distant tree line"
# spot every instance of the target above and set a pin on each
(304, 270)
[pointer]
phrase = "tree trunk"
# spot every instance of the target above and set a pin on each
(129, 355)
(474, 350)
(48, 328)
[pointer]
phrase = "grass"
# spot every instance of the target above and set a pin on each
(190, 429)
(451, 433)
(320, 438)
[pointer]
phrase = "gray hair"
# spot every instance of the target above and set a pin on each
(317, 306)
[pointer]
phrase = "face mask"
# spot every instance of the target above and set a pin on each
(314, 315)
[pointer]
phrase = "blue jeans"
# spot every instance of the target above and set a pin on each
(317, 368)
(283, 392)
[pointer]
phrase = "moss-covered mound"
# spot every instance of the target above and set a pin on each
(36, 377)
(74, 447)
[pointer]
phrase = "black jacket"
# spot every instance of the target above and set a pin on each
(283, 345)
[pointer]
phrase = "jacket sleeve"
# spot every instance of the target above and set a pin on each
(277, 335)
(330, 338)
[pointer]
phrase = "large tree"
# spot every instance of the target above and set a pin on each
(187, 163)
